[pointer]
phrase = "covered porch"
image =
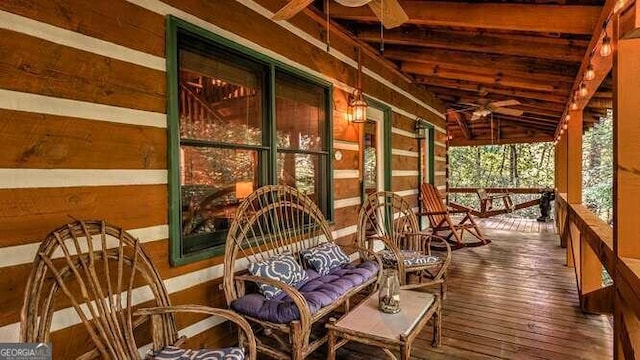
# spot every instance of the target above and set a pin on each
(513, 299)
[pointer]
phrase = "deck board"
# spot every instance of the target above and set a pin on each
(511, 299)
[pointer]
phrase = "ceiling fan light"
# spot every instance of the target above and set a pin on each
(590, 74)
(605, 47)
(353, 3)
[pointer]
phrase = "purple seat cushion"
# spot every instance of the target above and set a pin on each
(319, 291)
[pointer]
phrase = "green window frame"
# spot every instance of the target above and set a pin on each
(268, 151)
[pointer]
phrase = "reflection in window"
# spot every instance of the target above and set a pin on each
(220, 134)
(300, 124)
(370, 164)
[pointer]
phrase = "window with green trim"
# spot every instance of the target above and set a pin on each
(237, 121)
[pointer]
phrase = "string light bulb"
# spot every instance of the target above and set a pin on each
(605, 47)
(561, 131)
(567, 117)
(583, 90)
(565, 126)
(574, 105)
(590, 74)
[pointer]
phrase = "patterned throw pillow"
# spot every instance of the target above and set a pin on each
(176, 353)
(282, 267)
(325, 257)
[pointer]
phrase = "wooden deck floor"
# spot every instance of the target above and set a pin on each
(511, 299)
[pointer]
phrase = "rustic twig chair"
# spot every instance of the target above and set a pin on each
(275, 220)
(440, 218)
(388, 217)
(102, 272)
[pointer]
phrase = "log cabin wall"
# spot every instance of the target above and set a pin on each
(83, 123)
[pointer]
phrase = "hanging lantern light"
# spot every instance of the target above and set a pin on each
(357, 103)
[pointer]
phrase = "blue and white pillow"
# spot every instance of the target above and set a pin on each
(282, 267)
(325, 257)
(176, 353)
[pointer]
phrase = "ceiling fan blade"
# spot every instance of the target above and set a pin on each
(497, 104)
(475, 116)
(393, 15)
(352, 3)
(507, 111)
(291, 9)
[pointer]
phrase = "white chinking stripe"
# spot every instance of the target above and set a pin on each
(440, 158)
(21, 101)
(24, 254)
(440, 173)
(440, 144)
(403, 132)
(346, 145)
(56, 178)
(407, 192)
(405, 153)
(68, 317)
(165, 9)
(441, 187)
(79, 41)
(342, 203)
(405, 173)
(346, 174)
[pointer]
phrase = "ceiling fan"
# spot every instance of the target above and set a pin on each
(485, 108)
(390, 13)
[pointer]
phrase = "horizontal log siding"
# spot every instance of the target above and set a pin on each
(56, 68)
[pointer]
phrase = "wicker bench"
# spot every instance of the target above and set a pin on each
(279, 222)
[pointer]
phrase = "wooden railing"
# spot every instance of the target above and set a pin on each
(590, 247)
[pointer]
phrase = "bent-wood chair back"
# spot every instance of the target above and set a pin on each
(272, 220)
(98, 270)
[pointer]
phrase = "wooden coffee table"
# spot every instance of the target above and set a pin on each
(368, 325)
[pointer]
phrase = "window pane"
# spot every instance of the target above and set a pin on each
(303, 172)
(220, 100)
(300, 115)
(213, 182)
(370, 158)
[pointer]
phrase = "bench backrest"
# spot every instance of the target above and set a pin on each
(272, 220)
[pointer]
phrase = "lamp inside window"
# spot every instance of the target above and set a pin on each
(357, 107)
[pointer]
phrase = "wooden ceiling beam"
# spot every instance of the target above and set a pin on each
(506, 81)
(503, 140)
(462, 123)
(560, 80)
(515, 17)
(496, 89)
(461, 59)
(527, 46)
(470, 96)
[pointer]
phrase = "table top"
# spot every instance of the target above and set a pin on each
(367, 319)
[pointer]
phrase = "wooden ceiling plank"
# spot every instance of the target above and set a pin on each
(521, 17)
(531, 46)
(471, 96)
(495, 89)
(497, 62)
(507, 81)
(436, 67)
(504, 139)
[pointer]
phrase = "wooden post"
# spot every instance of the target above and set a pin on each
(626, 190)
(561, 165)
(574, 158)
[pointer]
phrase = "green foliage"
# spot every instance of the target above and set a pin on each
(517, 165)
(597, 168)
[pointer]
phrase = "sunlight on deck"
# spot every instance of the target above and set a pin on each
(512, 299)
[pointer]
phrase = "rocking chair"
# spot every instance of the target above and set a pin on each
(441, 222)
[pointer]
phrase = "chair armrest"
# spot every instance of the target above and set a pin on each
(223, 313)
(447, 260)
(293, 293)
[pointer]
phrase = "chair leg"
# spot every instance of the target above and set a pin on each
(297, 341)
